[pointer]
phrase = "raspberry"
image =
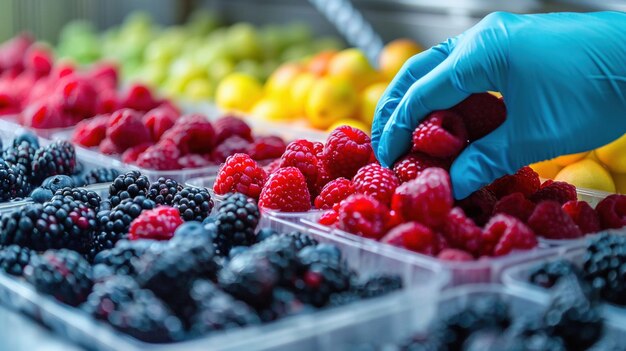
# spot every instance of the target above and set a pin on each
(229, 126)
(347, 149)
(364, 216)
(516, 205)
(461, 232)
(159, 120)
(139, 97)
(77, 96)
(272, 166)
(612, 211)
(161, 156)
(413, 236)
(267, 148)
(525, 181)
(91, 132)
(455, 255)
(301, 154)
(412, 165)
(329, 218)
(323, 176)
(107, 147)
(479, 206)
(376, 181)
(426, 199)
(334, 192)
(125, 129)
(286, 190)
(192, 134)
(158, 224)
(550, 221)
(38, 61)
(481, 113)
(108, 102)
(504, 233)
(104, 74)
(194, 161)
(441, 134)
(132, 154)
(230, 146)
(560, 192)
(583, 215)
(318, 147)
(240, 174)
(42, 115)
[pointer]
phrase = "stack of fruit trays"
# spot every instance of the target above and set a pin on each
(157, 262)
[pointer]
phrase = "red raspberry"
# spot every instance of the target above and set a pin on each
(104, 74)
(131, 155)
(161, 156)
(364, 216)
(267, 148)
(319, 149)
(323, 176)
(329, 218)
(479, 205)
(229, 126)
(108, 102)
(139, 98)
(38, 61)
(192, 134)
(585, 217)
(272, 166)
(301, 154)
(77, 96)
(194, 161)
(240, 174)
(516, 205)
(107, 147)
(230, 146)
(612, 211)
(377, 182)
(413, 236)
(461, 232)
(560, 192)
(334, 192)
(550, 221)
(481, 113)
(441, 134)
(43, 115)
(125, 129)
(412, 165)
(504, 234)
(426, 199)
(159, 120)
(286, 191)
(157, 224)
(347, 149)
(525, 181)
(455, 255)
(91, 132)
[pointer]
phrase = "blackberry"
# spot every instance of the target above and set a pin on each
(99, 175)
(13, 182)
(70, 223)
(378, 286)
(64, 274)
(132, 310)
(236, 221)
(547, 274)
(27, 137)
(57, 158)
(128, 186)
(89, 198)
(265, 233)
(604, 267)
(123, 257)
(194, 204)
(14, 258)
(24, 228)
(302, 240)
(284, 303)
(21, 155)
(216, 310)
(163, 191)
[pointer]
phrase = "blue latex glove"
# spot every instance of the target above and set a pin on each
(562, 75)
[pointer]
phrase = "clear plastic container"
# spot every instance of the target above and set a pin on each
(422, 284)
(10, 122)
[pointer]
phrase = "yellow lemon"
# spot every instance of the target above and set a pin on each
(369, 99)
(352, 123)
(352, 65)
(569, 159)
(546, 169)
(613, 155)
(620, 182)
(238, 91)
(199, 89)
(299, 92)
(592, 156)
(279, 83)
(330, 100)
(395, 54)
(271, 110)
(587, 174)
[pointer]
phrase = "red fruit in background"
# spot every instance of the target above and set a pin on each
(159, 120)
(91, 132)
(455, 255)
(413, 236)
(347, 149)
(585, 217)
(62, 70)
(193, 134)
(38, 61)
(13, 51)
(132, 154)
(481, 114)
(267, 148)
(272, 166)
(230, 146)
(195, 161)
(376, 181)
(301, 154)
(229, 126)
(560, 192)
(426, 199)
(43, 115)
(104, 75)
(461, 232)
(516, 205)
(442, 134)
(8, 104)
(286, 190)
(329, 218)
(108, 102)
(240, 174)
(156, 224)
(364, 216)
(612, 211)
(550, 221)
(125, 129)
(412, 165)
(334, 192)
(139, 97)
(504, 234)
(161, 156)
(77, 96)
(479, 205)
(525, 181)
(108, 147)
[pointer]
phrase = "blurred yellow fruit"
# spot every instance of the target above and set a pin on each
(369, 99)
(587, 174)
(238, 91)
(299, 93)
(279, 83)
(199, 89)
(620, 182)
(271, 110)
(569, 159)
(352, 123)
(546, 169)
(592, 156)
(496, 94)
(613, 155)
(330, 100)
(352, 65)
(318, 65)
(395, 54)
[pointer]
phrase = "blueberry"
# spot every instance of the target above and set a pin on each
(57, 182)
(27, 137)
(41, 195)
(192, 229)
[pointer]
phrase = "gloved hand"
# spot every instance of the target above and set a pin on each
(562, 76)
